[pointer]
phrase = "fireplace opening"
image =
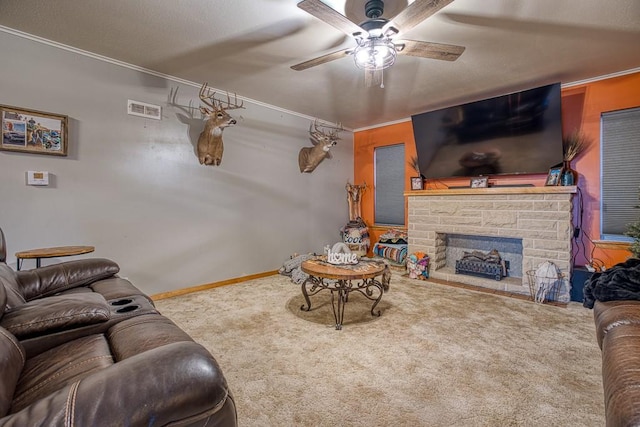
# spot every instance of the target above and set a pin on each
(455, 246)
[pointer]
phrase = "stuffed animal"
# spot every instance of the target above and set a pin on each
(418, 266)
(412, 266)
(423, 267)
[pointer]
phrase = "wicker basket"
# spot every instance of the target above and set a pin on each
(552, 293)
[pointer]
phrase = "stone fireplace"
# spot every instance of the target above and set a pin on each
(528, 225)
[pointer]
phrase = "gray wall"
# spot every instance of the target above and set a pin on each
(134, 189)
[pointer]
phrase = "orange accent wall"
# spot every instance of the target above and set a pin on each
(364, 143)
(581, 108)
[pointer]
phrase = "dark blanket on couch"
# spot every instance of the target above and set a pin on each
(620, 282)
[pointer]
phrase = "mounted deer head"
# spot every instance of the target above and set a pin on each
(310, 157)
(210, 146)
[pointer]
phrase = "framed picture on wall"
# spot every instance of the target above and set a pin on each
(479, 182)
(553, 178)
(416, 183)
(31, 131)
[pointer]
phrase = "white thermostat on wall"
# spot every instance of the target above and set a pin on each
(37, 178)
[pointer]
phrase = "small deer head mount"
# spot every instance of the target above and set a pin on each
(210, 146)
(322, 137)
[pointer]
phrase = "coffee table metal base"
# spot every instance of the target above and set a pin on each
(371, 288)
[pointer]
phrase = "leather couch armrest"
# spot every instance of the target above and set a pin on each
(610, 314)
(166, 385)
(53, 314)
(49, 280)
(12, 360)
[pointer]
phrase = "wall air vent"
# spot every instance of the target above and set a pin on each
(150, 111)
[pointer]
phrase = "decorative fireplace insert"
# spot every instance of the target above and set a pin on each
(477, 263)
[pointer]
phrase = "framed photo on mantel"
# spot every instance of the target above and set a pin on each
(553, 178)
(416, 183)
(479, 182)
(31, 131)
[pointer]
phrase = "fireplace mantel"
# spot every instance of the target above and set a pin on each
(494, 191)
(541, 217)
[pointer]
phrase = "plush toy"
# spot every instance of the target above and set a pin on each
(423, 267)
(418, 265)
(412, 266)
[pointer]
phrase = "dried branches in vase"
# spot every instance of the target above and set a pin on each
(573, 144)
(416, 181)
(413, 162)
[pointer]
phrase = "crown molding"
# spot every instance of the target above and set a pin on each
(148, 71)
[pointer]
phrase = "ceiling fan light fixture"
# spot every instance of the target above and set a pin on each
(375, 54)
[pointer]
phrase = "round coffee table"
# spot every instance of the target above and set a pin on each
(343, 279)
(59, 251)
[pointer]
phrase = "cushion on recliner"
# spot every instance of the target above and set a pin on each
(52, 279)
(57, 313)
(11, 364)
(182, 384)
(149, 332)
(9, 282)
(59, 367)
(116, 288)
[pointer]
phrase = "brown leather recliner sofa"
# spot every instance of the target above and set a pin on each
(614, 296)
(618, 333)
(81, 346)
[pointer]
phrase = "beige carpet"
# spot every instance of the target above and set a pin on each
(438, 356)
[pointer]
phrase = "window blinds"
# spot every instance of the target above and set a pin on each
(620, 170)
(389, 186)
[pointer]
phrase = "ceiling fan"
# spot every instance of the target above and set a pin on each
(377, 47)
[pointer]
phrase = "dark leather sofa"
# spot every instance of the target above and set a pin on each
(80, 346)
(618, 334)
(614, 296)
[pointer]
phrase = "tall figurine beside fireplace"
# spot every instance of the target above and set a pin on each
(356, 233)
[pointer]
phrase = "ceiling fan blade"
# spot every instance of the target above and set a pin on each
(445, 52)
(332, 17)
(414, 14)
(322, 59)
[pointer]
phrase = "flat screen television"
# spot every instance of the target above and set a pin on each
(518, 133)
